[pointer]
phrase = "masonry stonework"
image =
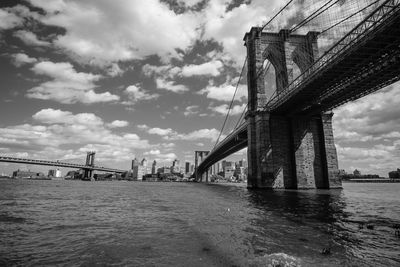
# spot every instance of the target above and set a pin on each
(286, 150)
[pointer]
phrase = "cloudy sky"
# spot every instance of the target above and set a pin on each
(153, 79)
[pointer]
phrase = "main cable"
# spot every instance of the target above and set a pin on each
(230, 105)
(313, 15)
(280, 11)
(352, 15)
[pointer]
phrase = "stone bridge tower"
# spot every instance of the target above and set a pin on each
(286, 150)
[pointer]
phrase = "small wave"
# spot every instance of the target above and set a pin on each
(11, 219)
(278, 259)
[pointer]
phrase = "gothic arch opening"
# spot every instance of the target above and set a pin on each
(269, 75)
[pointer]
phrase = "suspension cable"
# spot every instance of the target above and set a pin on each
(241, 116)
(313, 15)
(352, 15)
(230, 105)
(280, 11)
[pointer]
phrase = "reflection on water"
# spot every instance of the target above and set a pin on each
(185, 224)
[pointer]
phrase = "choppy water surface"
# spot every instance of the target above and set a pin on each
(187, 224)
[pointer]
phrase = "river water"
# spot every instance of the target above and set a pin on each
(75, 223)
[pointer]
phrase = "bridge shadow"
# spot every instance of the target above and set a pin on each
(322, 205)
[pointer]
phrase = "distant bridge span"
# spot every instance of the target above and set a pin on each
(58, 164)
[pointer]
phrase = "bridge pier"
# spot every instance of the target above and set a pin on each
(88, 173)
(291, 152)
(286, 150)
(198, 158)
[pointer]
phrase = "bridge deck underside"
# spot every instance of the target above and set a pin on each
(371, 64)
(233, 143)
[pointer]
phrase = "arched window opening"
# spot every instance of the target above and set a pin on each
(269, 79)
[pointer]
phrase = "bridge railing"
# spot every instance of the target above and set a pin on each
(368, 24)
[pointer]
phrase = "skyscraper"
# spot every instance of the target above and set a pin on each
(154, 167)
(144, 164)
(135, 163)
(187, 167)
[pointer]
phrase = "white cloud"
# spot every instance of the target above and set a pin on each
(170, 86)
(366, 132)
(54, 129)
(9, 20)
(20, 59)
(212, 68)
(136, 94)
(57, 116)
(29, 38)
(191, 110)
(67, 86)
(223, 109)
(114, 70)
(169, 134)
(102, 32)
(118, 124)
(225, 92)
(159, 131)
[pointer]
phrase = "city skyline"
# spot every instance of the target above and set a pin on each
(152, 80)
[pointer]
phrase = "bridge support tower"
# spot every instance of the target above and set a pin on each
(286, 150)
(88, 173)
(198, 158)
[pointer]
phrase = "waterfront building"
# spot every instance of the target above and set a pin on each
(135, 163)
(394, 174)
(229, 171)
(164, 170)
(175, 166)
(187, 167)
(54, 173)
(144, 164)
(154, 167)
(138, 172)
(28, 174)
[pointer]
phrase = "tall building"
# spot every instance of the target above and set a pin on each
(137, 170)
(154, 167)
(175, 166)
(144, 164)
(187, 167)
(135, 163)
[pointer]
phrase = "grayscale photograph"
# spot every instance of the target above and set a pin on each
(200, 133)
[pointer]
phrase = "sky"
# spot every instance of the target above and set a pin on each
(150, 79)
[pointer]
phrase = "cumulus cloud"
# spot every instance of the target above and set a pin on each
(212, 68)
(67, 85)
(170, 86)
(20, 59)
(135, 94)
(367, 130)
(102, 32)
(223, 109)
(9, 20)
(52, 129)
(118, 124)
(225, 91)
(29, 38)
(159, 156)
(191, 110)
(169, 134)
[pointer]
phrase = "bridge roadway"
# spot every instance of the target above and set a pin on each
(363, 61)
(58, 164)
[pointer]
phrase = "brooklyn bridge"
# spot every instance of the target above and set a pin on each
(287, 128)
